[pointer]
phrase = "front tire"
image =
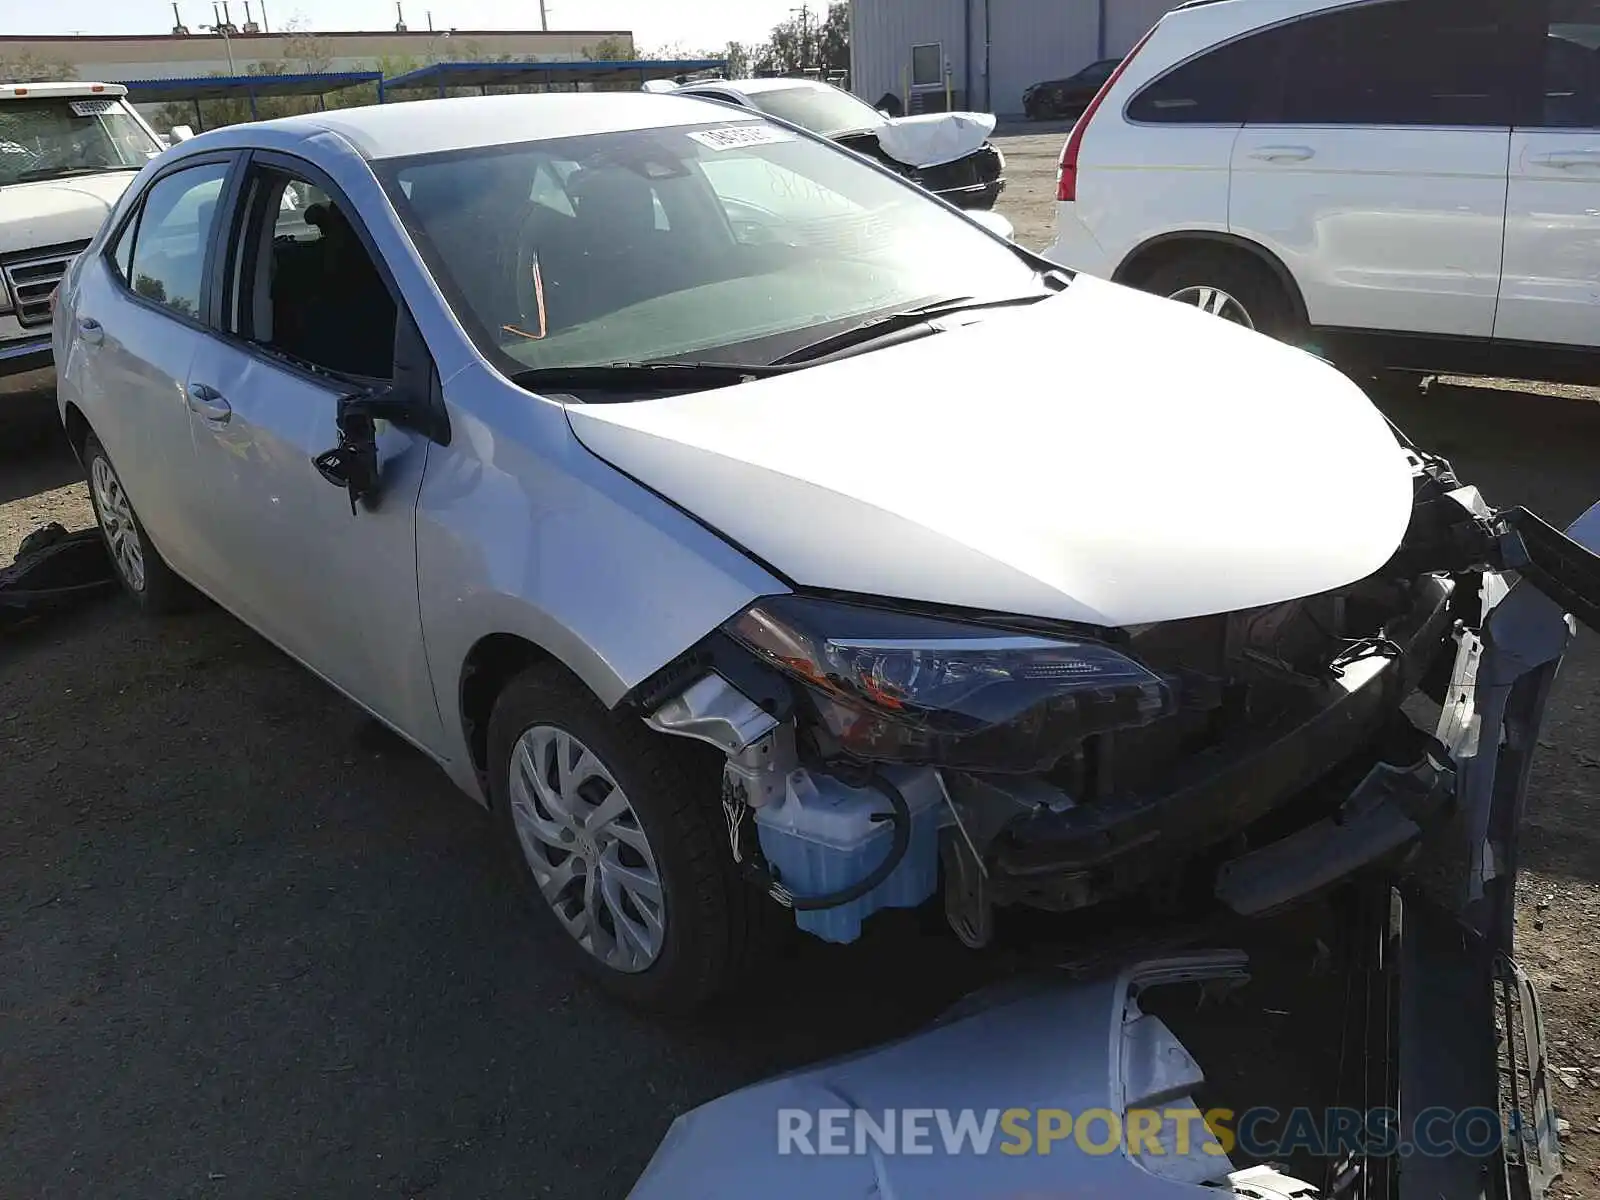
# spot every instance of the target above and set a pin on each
(615, 831)
(1229, 285)
(141, 570)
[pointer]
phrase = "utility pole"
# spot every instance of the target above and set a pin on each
(226, 41)
(544, 18)
(805, 33)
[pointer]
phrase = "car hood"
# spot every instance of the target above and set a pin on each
(53, 211)
(929, 139)
(1103, 456)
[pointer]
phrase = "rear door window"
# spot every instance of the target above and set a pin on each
(1399, 62)
(166, 261)
(1220, 87)
(1571, 60)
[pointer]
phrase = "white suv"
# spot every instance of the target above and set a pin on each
(1404, 183)
(67, 151)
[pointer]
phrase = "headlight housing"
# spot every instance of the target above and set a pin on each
(894, 687)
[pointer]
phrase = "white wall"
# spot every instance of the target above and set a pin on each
(882, 34)
(1029, 40)
(1129, 20)
(1032, 40)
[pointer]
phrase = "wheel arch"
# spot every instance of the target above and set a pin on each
(77, 427)
(1164, 248)
(490, 664)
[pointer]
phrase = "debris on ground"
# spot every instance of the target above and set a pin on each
(53, 570)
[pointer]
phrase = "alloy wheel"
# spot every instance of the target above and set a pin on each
(116, 519)
(1216, 302)
(587, 851)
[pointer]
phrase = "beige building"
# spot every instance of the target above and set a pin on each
(169, 56)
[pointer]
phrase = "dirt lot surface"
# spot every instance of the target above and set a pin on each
(252, 945)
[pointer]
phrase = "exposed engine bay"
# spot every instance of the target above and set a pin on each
(1366, 752)
(1257, 756)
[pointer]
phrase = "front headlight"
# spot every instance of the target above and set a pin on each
(890, 686)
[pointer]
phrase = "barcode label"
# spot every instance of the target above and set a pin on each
(731, 137)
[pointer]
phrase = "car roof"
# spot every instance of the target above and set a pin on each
(34, 91)
(395, 130)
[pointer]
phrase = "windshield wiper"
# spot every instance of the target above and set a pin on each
(879, 328)
(642, 376)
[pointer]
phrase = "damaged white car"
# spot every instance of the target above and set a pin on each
(949, 153)
(753, 563)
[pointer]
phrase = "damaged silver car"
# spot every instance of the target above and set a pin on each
(709, 502)
(1120, 1079)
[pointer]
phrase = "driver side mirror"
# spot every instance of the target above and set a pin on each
(413, 401)
(180, 133)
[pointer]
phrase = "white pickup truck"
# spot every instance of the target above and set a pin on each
(67, 151)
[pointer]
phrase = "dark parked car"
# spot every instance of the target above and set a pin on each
(948, 153)
(1067, 97)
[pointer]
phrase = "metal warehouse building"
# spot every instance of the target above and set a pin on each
(985, 52)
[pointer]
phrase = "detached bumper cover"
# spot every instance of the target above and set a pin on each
(1046, 1048)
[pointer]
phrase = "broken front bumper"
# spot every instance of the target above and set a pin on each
(1442, 1033)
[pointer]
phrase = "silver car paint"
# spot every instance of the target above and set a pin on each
(1081, 1048)
(517, 529)
(1016, 464)
(521, 530)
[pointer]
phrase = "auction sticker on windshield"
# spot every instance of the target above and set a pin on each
(731, 137)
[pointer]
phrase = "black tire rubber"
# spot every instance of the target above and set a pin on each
(1245, 278)
(164, 592)
(718, 926)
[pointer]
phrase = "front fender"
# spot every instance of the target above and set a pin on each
(522, 531)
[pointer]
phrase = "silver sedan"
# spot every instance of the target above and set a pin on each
(760, 538)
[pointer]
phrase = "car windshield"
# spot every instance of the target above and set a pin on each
(824, 110)
(735, 242)
(51, 137)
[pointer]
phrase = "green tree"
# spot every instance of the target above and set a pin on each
(739, 58)
(609, 49)
(833, 40)
(30, 68)
(802, 43)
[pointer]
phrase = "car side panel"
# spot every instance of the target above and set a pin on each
(1135, 183)
(130, 387)
(1382, 227)
(1551, 289)
(520, 530)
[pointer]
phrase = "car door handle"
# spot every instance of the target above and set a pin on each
(209, 403)
(91, 330)
(1283, 153)
(1567, 159)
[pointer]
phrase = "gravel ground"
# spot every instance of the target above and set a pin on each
(252, 945)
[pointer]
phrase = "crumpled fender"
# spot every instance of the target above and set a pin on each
(929, 139)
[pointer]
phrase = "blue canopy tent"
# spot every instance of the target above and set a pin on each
(248, 87)
(485, 75)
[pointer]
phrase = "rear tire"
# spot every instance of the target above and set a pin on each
(663, 921)
(1232, 285)
(139, 567)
